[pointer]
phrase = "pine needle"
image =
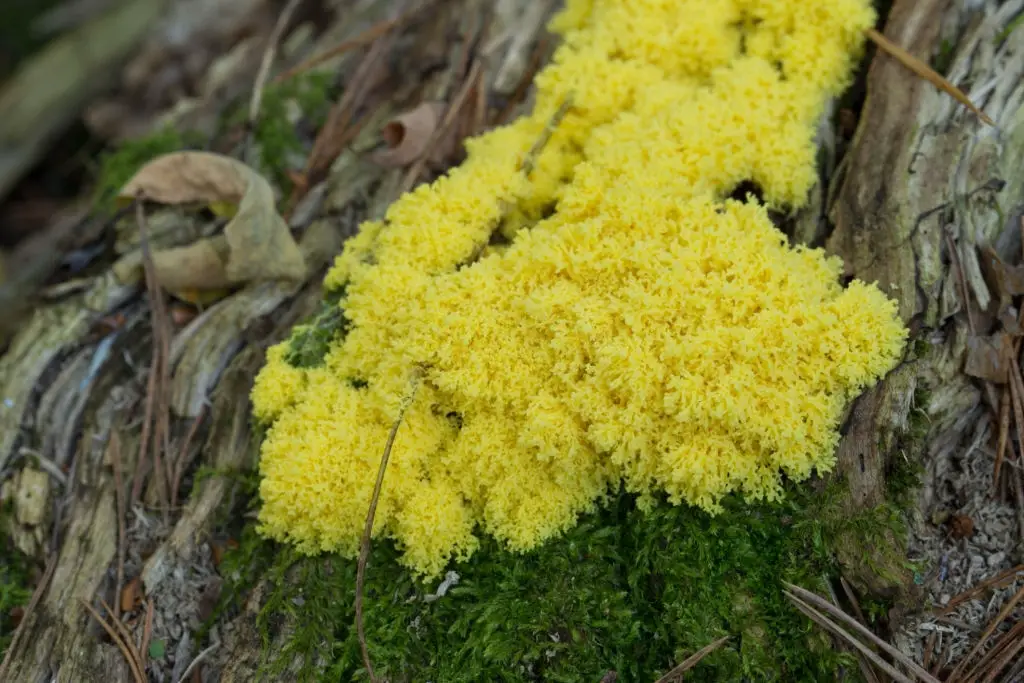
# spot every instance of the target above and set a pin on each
(693, 660)
(926, 72)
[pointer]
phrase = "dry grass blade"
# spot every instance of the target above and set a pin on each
(693, 660)
(37, 595)
(1003, 613)
(132, 663)
(195, 662)
(829, 625)
(926, 72)
(364, 544)
(806, 596)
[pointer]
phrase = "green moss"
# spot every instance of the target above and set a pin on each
(14, 586)
(625, 590)
(118, 166)
(277, 138)
(310, 341)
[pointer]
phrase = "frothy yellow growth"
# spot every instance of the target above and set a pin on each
(637, 327)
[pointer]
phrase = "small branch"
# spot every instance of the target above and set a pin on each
(364, 545)
(926, 72)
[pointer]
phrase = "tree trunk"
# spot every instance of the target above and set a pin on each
(918, 168)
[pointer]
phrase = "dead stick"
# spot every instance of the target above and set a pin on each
(364, 545)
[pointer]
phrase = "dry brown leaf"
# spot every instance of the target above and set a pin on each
(131, 595)
(408, 135)
(259, 244)
(988, 358)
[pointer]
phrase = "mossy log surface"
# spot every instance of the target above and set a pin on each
(919, 167)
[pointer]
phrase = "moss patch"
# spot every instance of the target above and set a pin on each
(14, 588)
(118, 166)
(625, 590)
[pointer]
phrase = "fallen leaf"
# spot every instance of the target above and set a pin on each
(131, 595)
(988, 358)
(408, 135)
(259, 245)
(961, 526)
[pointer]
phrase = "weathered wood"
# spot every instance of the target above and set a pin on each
(920, 167)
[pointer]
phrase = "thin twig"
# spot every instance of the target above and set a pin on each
(926, 72)
(19, 633)
(1003, 613)
(195, 662)
(362, 40)
(132, 664)
(364, 545)
(692, 661)
(530, 160)
(115, 458)
(269, 54)
(159, 375)
(806, 596)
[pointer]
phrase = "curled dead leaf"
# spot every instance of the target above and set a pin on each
(989, 358)
(256, 245)
(408, 135)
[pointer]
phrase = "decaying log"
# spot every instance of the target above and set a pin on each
(921, 168)
(918, 168)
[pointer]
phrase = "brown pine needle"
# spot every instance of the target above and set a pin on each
(1004, 433)
(803, 599)
(693, 660)
(132, 664)
(364, 545)
(1003, 613)
(926, 72)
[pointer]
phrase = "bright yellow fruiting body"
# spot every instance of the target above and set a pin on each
(637, 328)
